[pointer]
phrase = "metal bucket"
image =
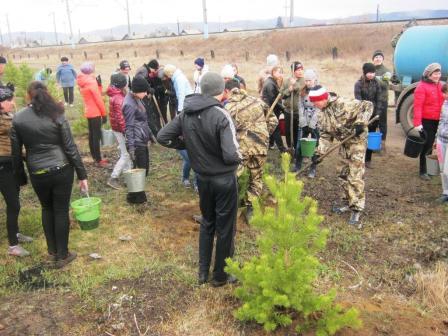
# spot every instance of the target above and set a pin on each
(135, 180)
(432, 165)
(107, 138)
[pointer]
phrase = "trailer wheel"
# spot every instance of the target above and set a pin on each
(407, 113)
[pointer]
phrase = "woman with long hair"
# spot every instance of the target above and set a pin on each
(10, 179)
(51, 158)
(271, 89)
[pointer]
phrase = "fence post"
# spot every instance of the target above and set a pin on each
(101, 56)
(72, 56)
(247, 56)
(182, 53)
(135, 53)
(157, 54)
(85, 54)
(334, 53)
(212, 54)
(287, 55)
(118, 55)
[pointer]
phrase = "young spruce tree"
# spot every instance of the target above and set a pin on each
(279, 281)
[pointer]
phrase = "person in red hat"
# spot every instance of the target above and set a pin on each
(340, 118)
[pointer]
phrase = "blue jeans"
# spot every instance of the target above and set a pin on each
(186, 167)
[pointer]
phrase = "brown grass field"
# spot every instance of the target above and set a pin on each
(394, 270)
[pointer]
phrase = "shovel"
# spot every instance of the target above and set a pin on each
(332, 149)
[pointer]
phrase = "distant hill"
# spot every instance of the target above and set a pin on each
(150, 30)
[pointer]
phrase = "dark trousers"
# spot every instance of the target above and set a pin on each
(54, 190)
(68, 94)
(10, 191)
(95, 137)
(295, 125)
(142, 158)
(382, 110)
(430, 127)
(276, 138)
(218, 200)
(303, 132)
(372, 128)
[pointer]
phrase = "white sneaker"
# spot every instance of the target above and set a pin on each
(71, 105)
(186, 183)
(17, 251)
(65, 104)
(24, 239)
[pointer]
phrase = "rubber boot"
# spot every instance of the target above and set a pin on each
(312, 172)
(355, 219)
(340, 209)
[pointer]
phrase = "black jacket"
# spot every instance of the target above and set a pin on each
(137, 132)
(48, 143)
(206, 130)
(269, 93)
(369, 90)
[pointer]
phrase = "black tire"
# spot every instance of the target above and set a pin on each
(407, 113)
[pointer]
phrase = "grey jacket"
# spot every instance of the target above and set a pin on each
(307, 113)
(206, 130)
(442, 131)
(137, 131)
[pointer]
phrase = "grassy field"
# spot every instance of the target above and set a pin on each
(393, 270)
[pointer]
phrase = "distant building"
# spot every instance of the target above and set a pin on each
(228, 30)
(190, 32)
(134, 36)
(90, 39)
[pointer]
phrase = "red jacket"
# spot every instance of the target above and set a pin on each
(93, 102)
(115, 113)
(428, 101)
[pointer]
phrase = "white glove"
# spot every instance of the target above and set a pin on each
(419, 128)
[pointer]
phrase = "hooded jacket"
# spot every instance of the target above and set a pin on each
(93, 102)
(116, 98)
(206, 130)
(269, 94)
(442, 131)
(182, 88)
(428, 100)
(66, 75)
(137, 130)
(369, 90)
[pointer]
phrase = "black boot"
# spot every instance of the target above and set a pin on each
(249, 212)
(202, 278)
(355, 219)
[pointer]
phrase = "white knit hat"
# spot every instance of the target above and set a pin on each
(227, 71)
(169, 70)
(310, 74)
(272, 60)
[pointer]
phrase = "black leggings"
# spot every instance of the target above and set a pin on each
(10, 191)
(95, 137)
(54, 191)
(142, 158)
(68, 94)
(382, 110)
(430, 127)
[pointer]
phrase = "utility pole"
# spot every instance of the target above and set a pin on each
(204, 8)
(70, 23)
(1, 37)
(291, 13)
(377, 13)
(285, 19)
(9, 30)
(178, 26)
(129, 20)
(55, 30)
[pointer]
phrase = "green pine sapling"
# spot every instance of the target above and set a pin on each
(279, 281)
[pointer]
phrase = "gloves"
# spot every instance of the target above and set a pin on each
(99, 81)
(151, 91)
(306, 130)
(359, 129)
(315, 159)
(132, 155)
(419, 128)
(104, 120)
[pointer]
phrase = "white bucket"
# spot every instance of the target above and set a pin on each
(135, 180)
(432, 165)
(107, 138)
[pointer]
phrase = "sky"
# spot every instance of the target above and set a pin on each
(88, 15)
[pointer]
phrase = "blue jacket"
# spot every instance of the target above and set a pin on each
(66, 75)
(182, 87)
(137, 129)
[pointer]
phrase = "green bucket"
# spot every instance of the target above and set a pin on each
(87, 212)
(308, 146)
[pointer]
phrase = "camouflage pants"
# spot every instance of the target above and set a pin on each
(351, 172)
(254, 165)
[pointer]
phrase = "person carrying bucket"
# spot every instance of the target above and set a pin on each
(442, 145)
(52, 158)
(368, 88)
(307, 120)
(428, 100)
(340, 118)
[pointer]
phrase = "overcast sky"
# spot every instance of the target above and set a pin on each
(87, 15)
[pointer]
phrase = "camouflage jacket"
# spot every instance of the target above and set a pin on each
(5, 128)
(252, 125)
(297, 88)
(338, 119)
(383, 75)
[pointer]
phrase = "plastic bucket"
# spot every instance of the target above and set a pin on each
(414, 144)
(87, 212)
(107, 138)
(135, 180)
(432, 165)
(374, 141)
(308, 146)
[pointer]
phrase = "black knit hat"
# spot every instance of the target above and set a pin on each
(296, 65)
(118, 80)
(3, 60)
(6, 93)
(64, 59)
(125, 64)
(368, 67)
(153, 64)
(139, 84)
(377, 53)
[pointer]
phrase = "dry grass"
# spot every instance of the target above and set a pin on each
(432, 288)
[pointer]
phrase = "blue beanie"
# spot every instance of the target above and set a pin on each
(199, 61)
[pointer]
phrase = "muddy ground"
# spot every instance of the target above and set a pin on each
(404, 231)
